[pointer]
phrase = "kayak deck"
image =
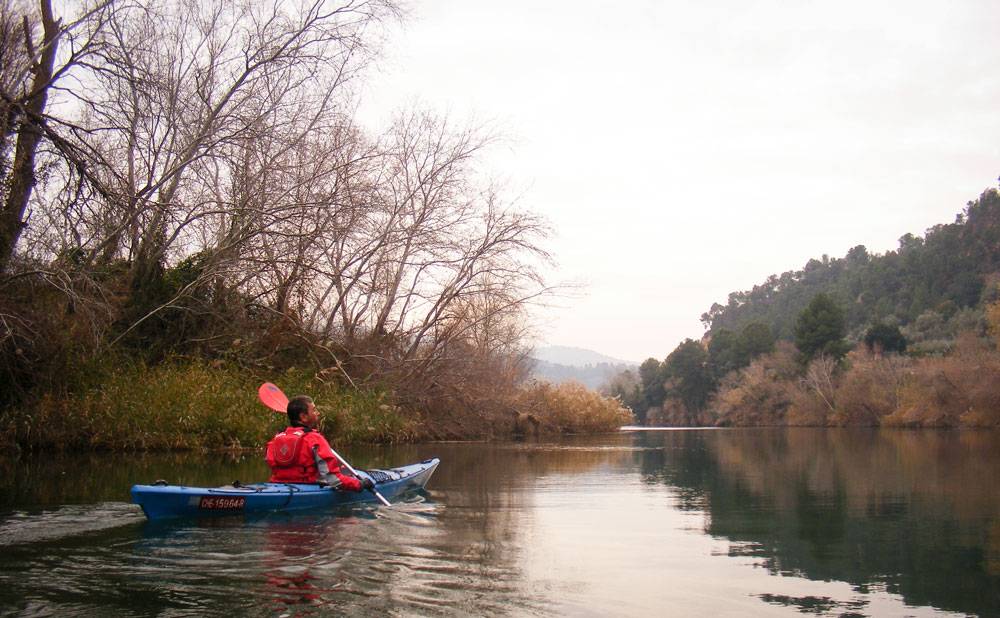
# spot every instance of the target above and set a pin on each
(164, 501)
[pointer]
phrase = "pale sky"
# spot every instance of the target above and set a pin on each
(682, 150)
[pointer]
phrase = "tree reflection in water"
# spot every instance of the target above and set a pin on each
(738, 522)
(913, 513)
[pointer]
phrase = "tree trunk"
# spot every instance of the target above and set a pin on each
(22, 177)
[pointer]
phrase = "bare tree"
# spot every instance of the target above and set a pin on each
(20, 107)
(820, 379)
(407, 250)
(208, 165)
(32, 73)
(180, 100)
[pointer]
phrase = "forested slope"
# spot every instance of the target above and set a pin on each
(908, 337)
(953, 267)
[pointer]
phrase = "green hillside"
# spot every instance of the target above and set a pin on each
(905, 338)
(928, 280)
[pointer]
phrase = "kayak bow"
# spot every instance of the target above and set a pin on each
(162, 501)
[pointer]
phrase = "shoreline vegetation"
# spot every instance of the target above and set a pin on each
(191, 404)
(908, 338)
(959, 390)
(189, 207)
(866, 388)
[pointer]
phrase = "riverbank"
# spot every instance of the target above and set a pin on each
(958, 390)
(121, 404)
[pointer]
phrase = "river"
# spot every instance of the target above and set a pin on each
(720, 522)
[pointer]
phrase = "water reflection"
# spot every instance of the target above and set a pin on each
(727, 522)
(287, 568)
(38, 482)
(911, 513)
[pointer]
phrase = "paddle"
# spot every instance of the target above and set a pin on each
(272, 397)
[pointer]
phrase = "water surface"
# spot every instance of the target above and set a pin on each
(707, 522)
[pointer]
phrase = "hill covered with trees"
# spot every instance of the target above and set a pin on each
(907, 337)
(925, 284)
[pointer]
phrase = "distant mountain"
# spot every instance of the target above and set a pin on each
(559, 364)
(576, 357)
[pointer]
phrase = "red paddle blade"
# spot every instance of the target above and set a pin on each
(272, 397)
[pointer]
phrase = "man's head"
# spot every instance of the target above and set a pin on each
(302, 412)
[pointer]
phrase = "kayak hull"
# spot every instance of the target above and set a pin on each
(166, 501)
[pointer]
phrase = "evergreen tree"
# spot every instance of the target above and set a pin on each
(885, 338)
(755, 339)
(651, 380)
(724, 354)
(820, 329)
(728, 351)
(689, 377)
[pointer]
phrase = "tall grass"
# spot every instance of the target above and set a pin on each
(124, 404)
(571, 407)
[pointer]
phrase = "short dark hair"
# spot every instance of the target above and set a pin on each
(297, 406)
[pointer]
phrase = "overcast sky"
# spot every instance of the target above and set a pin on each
(682, 150)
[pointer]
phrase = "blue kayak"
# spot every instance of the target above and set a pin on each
(161, 501)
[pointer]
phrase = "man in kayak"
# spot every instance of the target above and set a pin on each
(300, 454)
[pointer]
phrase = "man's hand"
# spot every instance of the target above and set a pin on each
(367, 484)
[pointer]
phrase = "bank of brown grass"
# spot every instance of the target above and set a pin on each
(571, 407)
(183, 404)
(961, 389)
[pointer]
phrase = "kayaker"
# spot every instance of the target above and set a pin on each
(300, 454)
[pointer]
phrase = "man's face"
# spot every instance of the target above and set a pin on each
(311, 417)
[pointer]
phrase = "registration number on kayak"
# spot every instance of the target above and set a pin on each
(222, 503)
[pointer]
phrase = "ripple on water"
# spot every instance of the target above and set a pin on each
(400, 561)
(22, 527)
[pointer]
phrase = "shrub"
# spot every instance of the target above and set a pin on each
(806, 408)
(758, 394)
(961, 389)
(993, 321)
(571, 407)
(956, 390)
(672, 413)
(885, 338)
(870, 388)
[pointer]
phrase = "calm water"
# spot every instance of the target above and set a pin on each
(685, 523)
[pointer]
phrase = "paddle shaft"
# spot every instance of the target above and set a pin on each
(272, 397)
(380, 497)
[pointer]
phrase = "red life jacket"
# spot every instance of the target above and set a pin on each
(291, 461)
